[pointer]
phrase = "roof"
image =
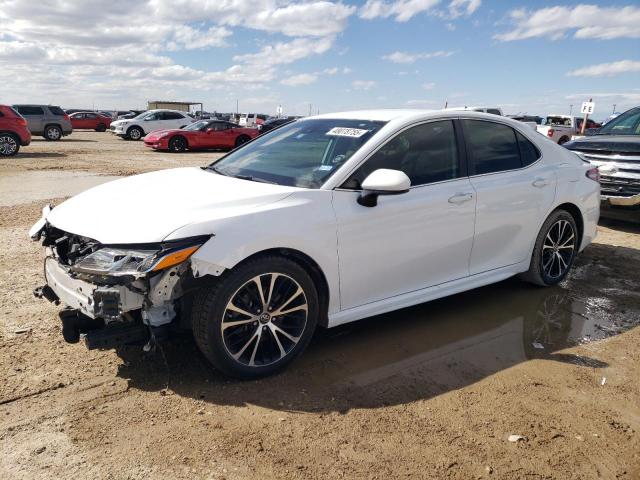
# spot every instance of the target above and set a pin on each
(383, 115)
(166, 102)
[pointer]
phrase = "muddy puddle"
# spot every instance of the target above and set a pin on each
(403, 356)
(29, 186)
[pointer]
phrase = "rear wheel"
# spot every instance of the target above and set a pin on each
(177, 144)
(9, 144)
(242, 139)
(257, 318)
(53, 132)
(135, 133)
(554, 251)
(101, 128)
(563, 140)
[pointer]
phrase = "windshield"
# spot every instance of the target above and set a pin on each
(301, 154)
(199, 125)
(626, 124)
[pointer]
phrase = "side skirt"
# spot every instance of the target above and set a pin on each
(426, 294)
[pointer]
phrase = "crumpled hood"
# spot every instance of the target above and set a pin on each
(147, 208)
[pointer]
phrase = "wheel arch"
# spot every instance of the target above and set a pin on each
(576, 213)
(179, 135)
(135, 126)
(311, 267)
(52, 124)
(305, 261)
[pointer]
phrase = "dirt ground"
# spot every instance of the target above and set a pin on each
(432, 391)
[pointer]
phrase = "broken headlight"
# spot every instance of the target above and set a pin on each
(122, 261)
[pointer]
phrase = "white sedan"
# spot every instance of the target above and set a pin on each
(323, 221)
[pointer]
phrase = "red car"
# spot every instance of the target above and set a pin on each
(13, 131)
(201, 135)
(90, 121)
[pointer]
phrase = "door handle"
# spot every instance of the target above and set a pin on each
(540, 182)
(459, 198)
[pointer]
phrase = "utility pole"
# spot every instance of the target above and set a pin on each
(570, 109)
(614, 108)
(310, 109)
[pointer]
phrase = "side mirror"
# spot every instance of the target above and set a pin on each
(383, 182)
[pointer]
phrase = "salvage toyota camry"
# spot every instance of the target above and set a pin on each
(323, 221)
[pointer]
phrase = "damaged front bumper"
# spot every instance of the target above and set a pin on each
(114, 294)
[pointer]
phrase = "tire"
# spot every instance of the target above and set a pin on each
(9, 145)
(241, 140)
(233, 349)
(101, 128)
(52, 133)
(563, 140)
(552, 257)
(177, 144)
(135, 133)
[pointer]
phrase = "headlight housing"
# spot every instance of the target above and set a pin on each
(137, 261)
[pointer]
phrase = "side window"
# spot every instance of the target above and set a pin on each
(25, 110)
(171, 116)
(91, 116)
(154, 116)
(528, 151)
(492, 147)
(427, 153)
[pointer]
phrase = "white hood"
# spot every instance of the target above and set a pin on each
(147, 208)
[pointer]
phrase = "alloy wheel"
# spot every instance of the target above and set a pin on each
(264, 319)
(558, 249)
(53, 133)
(8, 145)
(134, 134)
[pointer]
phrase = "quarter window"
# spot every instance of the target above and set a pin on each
(427, 153)
(492, 147)
(171, 116)
(528, 151)
(56, 111)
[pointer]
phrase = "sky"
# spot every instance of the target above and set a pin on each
(525, 56)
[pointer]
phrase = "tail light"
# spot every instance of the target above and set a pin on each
(550, 132)
(594, 174)
(66, 117)
(22, 121)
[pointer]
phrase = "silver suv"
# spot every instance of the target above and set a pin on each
(49, 121)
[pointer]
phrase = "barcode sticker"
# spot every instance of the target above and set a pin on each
(347, 132)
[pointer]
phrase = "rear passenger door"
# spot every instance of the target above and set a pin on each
(34, 116)
(514, 192)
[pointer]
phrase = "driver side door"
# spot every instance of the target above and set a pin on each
(413, 240)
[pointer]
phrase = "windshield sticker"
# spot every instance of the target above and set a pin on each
(347, 132)
(324, 168)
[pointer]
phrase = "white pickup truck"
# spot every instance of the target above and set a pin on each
(560, 128)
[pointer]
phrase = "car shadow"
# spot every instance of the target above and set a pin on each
(414, 353)
(28, 154)
(64, 140)
(621, 225)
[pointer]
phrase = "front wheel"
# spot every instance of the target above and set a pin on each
(9, 145)
(177, 145)
(554, 251)
(135, 133)
(241, 140)
(53, 133)
(257, 318)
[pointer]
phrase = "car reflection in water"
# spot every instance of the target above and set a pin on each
(403, 356)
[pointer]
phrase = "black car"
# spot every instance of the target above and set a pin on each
(615, 150)
(275, 123)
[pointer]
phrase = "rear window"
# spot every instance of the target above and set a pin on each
(558, 121)
(29, 110)
(14, 112)
(56, 111)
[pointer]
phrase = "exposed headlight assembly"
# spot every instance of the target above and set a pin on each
(138, 260)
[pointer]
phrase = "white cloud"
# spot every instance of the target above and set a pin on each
(301, 79)
(287, 52)
(606, 69)
(586, 21)
(363, 84)
(428, 86)
(402, 10)
(621, 98)
(422, 103)
(346, 70)
(330, 71)
(405, 57)
(458, 8)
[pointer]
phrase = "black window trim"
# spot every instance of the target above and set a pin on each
(470, 161)
(461, 147)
